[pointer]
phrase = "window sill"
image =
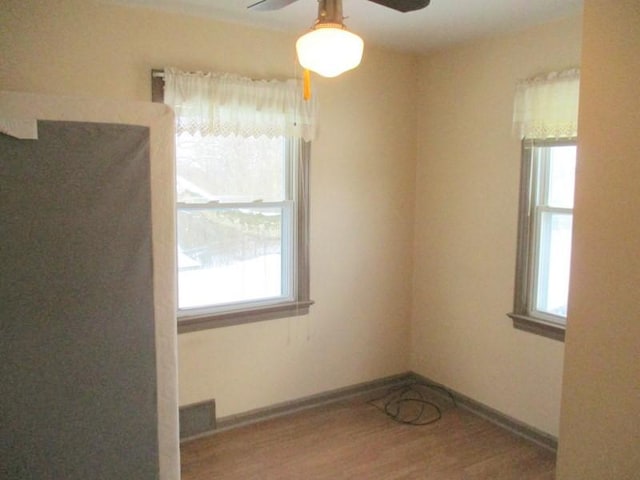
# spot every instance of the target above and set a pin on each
(188, 324)
(537, 326)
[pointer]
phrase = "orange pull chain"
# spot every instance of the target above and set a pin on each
(306, 89)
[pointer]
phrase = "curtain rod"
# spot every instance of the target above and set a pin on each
(159, 73)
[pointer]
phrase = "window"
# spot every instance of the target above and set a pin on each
(242, 205)
(237, 235)
(544, 246)
(235, 221)
(545, 109)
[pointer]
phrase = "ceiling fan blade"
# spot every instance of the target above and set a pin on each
(403, 5)
(264, 5)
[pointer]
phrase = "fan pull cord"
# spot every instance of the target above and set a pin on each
(306, 86)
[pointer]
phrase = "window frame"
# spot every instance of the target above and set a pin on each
(524, 315)
(300, 152)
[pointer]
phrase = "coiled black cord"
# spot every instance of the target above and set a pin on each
(408, 404)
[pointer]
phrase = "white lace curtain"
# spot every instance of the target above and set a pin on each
(224, 104)
(547, 106)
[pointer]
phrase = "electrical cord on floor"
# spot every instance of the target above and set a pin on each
(407, 404)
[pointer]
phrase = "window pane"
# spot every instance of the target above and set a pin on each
(562, 173)
(554, 263)
(231, 255)
(230, 169)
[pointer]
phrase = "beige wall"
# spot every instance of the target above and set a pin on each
(600, 422)
(468, 170)
(362, 183)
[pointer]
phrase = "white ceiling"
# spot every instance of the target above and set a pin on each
(441, 23)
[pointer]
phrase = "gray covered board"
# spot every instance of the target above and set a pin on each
(77, 351)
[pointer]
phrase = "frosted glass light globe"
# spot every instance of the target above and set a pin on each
(329, 50)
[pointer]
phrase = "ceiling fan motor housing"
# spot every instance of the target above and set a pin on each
(330, 11)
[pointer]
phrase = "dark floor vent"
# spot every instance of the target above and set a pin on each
(197, 419)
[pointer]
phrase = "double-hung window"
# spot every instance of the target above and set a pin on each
(546, 114)
(544, 247)
(242, 204)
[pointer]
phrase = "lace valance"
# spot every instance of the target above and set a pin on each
(546, 106)
(224, 104)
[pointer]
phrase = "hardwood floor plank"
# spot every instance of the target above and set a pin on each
(353, 439)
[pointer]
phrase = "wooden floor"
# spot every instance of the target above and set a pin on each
(352, 439)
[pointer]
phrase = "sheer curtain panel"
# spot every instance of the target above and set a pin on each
(224, 104)
(546, 106)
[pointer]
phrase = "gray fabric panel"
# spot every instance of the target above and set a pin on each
(77, 345)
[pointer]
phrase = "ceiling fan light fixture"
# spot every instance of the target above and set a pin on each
(329, 49)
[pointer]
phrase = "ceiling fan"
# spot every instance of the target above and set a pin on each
(329, 49)
(400, 5)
